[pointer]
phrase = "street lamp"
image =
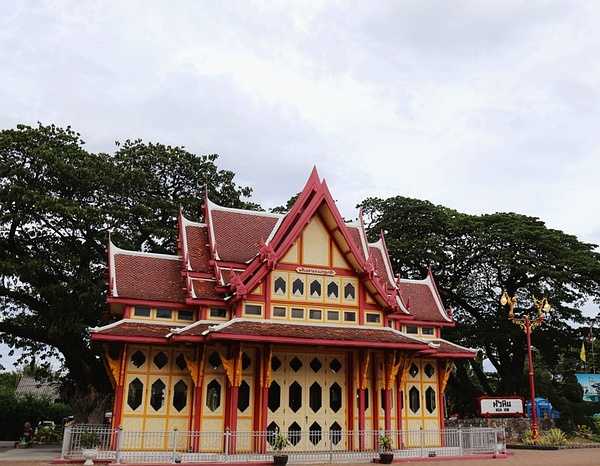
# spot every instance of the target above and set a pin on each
(528, 324)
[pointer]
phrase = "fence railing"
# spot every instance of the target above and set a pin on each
(314, 446)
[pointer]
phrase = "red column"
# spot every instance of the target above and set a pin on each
(197, 404)
(232, 399)
(375, 398)
(399, 407)
(119, 389)
(361, 399)
(388, 409)
(257, 409)
(534, 423)
(350, 385)
(264, 407)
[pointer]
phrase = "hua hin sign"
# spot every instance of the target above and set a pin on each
(314, 271)
(507, 406)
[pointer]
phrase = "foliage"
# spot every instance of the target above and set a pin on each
(278, 441)
(47, 434)
(16, 410)
(89, 440)
(282, 209)
(474, 258)
(57, 204)
(385, 443)
(550, 438)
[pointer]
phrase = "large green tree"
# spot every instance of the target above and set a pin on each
(57, 204)
(474, 258)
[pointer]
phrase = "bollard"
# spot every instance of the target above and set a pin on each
(66, 443)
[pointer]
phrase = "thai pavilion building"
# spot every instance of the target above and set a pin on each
(265, 322)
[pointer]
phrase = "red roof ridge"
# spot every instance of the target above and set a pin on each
(379, 244)
(129, 321)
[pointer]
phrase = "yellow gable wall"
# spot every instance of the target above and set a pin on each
(316, 248)
(315, 243)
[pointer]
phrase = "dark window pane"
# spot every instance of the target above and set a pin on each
(430, 399)
(315, 314)
(279, 311)
(243, 396)
(349, 292)
(157, 394)
(180, 362)
(252, 310)
(413, 371)
(315, 433)
(350, 316)
(213, 395)
(429, 370)
(295, 396)
(427, 330)
(275, 363)
(412, 329)
(185, 314)
(164, 313)
(315, 288)
(333, 315)
(373, 318)
(218, 312)
(315, 398)
(414, 401)
(160, 360)
(180, 395)
(274, 396)
(335, 366)
(332, 290)
(214, 360)
(294, 433)
(138, 359)
(245, 361)
(335, 397)
(141, 311)
(279, 286)
(315, 364)
(134, 396)
(295, 364)
(335, 433)
(297, 313)
(298, 287)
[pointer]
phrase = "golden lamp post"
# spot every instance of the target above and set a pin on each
(528, 324)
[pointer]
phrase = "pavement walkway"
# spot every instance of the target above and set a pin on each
(578, 457)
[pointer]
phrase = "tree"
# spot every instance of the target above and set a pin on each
(474, 258)
(57, 204)
(282, 209)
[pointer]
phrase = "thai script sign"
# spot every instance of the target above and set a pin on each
(313, 271)
(501, 406)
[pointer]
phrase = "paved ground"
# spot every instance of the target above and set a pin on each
(580, 457)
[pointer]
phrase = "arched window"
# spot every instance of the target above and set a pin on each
(315, 288)
(349, 292)
(333, 290)
(298, 287)
(279, 286)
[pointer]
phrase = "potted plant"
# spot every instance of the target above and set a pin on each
(385, 449)
(278, 443)
(89, 442)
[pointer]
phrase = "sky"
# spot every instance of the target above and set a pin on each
(479, 106)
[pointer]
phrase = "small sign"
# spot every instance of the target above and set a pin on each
(508, 406)
(313, 271)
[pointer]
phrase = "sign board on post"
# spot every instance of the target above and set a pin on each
(501, 406)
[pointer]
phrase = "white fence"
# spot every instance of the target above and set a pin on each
(122, 446)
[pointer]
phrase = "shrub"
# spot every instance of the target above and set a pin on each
(89, 440)
(552, 438)
(385, 443)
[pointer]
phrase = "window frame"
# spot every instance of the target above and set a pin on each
(211, 309)
(251, 315)
(297, 308)
(374, 313)
(158, 309)
(285, 308)
(320, 319)
(192, 317)
(135, 308)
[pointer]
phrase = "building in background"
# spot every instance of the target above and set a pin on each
(266, 322)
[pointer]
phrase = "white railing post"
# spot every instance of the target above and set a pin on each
(330, 447)
(118, 440)
(174, 449)
(460, 441)
(422, 443)
(227, 436)
(66, 443)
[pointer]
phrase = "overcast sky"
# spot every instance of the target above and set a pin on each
(481, 106)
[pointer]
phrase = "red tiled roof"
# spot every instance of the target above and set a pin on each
(266, 329)
(449, 347)
(421, 301)
(134, 329)
(238, 235)
(197, 247)
(205, 289)
(355, 236)
(148, 277)
(378, 259)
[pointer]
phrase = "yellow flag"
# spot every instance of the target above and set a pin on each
(582, 352)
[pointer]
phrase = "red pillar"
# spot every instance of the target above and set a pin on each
(232, 399)
(350, 385)
(375, 398)
(364, 360)
(534, 423)
(399, 408)
(257, 409)
(119, 389)
(197, 404)
(388, 409)
(264, 407)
